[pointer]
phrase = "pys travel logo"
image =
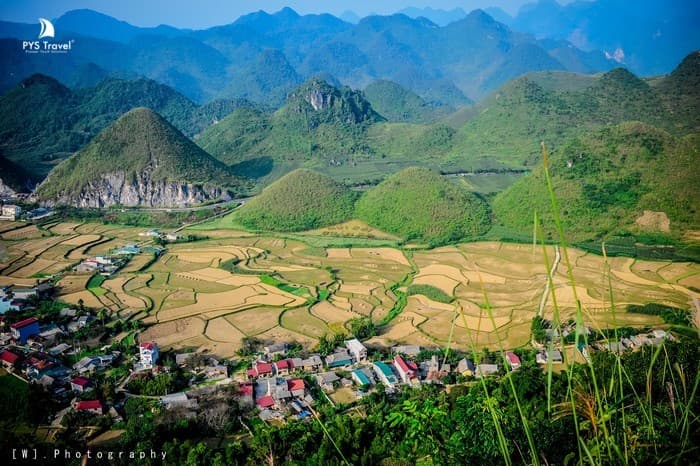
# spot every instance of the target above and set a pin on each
(45, 46)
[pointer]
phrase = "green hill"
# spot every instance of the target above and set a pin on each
(606, 180)
(139, 159)
(12, 176)
(318, 125)
(509, 125)
(419, 204)
(396, 103)
(42, 122)
(300, 200)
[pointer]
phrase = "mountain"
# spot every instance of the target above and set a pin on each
(318, 122)
(398, 104)
(419, 204)
(653, 40)
(301, 200)
(508, 125)
(139, 160)
(94, 24)
(626, 178)
(263, 56)
(436, 15)
(41, 109)
(267, 80)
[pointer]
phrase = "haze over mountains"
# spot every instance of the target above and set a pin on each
(262, 56)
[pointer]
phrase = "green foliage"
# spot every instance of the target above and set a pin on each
(605, 181)
(398, 104)
(93, 285)
(158, 386)
(538, 330)
(670, 315)
(419, 204)
(301, 200)
(362, 328)
(139, 144)
(431, 292)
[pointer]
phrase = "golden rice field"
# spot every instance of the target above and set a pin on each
(187, 299)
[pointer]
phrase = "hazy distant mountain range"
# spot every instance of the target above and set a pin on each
(263, 56)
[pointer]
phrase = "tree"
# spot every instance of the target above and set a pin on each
(362, 327)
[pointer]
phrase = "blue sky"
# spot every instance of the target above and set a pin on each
(206, 13)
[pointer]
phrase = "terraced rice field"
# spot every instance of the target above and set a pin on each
(187, 299)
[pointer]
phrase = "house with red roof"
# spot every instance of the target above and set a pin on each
(408, 371)
(260, 369)
(89, 406)
(296, 387)
(24, 329)
(8, 359)
(80, 384)
(148, 352)
(283, 367)
(265, 402)
(513, 360)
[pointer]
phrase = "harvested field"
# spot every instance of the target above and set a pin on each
(69, 284)
(300, 320)
(23, 233)
(165, 334)
(441, 282)
(221, 330)
(81, 240)
(329, 313)
(256, 320)
(338, 253)
(89, 299)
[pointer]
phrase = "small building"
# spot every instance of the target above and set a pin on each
(434, 371)
(10, 212)
(326, 380)
(24, 329)
(148, 353)
(218, 371)
(484, 370)
(384, 374)
(89, 406)
(59, 349)
(466, 367)
(128, 250)
(8, 359)
(408, 371)
(265, 402)
(513, 360)
(150, 233)
(283, 367)
(23, 292)
(86, 364)
(545, 356)
(80, 384)
(178, 400)
(362, 377)
(296, 387)
(278, 349)
(260, 369)
(356, 349)
(340, 358)
(311, 364)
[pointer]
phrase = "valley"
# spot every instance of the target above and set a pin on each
(213, 293)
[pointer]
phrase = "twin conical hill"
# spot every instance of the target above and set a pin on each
(419, 204)
(300, 200)
(138, 160)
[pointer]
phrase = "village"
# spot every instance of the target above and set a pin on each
(274, 381)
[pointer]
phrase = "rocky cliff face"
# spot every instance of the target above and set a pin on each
(5, 190)
(115, 189)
